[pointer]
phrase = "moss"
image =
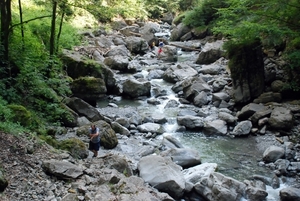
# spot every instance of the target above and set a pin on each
(75, 147)
(49, 140)
(69, 144)
(88, 84)
(20, 114)
(77, 67)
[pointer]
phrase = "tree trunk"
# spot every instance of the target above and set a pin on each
(59, 31)
(21, 21)
(5, 14)
(52, 36)
(5, 9)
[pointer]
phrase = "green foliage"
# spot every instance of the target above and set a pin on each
(188, 4)
(49, 140)
(6, 114)
(156, 8)
(274, 22)
(203, 14)
(293, 69)
(20, 115)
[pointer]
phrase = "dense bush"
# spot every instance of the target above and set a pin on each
(203, 14)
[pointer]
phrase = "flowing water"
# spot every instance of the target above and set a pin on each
(236, 157)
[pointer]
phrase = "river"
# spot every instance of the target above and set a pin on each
(236, 157)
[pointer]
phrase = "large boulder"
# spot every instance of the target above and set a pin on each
(120, 50)
(211, 52)
(75, 147)
(95, 87)
(117, 62)
(62, 169)
(217, 187)
(135, 88)
(179, 31)
(163, 174)
(169, 53)
(272, 153)
(179, 72)
(242, 128)
(268, 97)
(183, 156)
(78, 65)
(281, 118)
(215, 127)
(151, 127)
(109, 138)
(193, 174)
(136, 45)
(190, 122)
(248, 110)
(118, 128)
(289, 194)
(148, 31)
(83, 108)
(192, 86)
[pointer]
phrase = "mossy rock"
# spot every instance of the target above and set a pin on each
(89, 85)
(79, 66)
(20, 114)
(76, 147)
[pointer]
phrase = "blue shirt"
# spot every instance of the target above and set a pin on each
(97, 138)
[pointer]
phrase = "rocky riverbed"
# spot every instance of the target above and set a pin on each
(137, 161)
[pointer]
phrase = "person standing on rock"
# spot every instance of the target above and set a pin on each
(94, 144)
(160, 45)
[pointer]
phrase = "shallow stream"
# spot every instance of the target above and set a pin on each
(236, 157)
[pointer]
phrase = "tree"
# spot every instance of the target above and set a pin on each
(53, 25)
(5, 9)
(21, 21)
(274, 22)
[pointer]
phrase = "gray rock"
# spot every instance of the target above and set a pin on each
(183, 156)
(135, 88)
(190, 122)
(83, 108)
(162, 174)
(242, 128)
(215, 127)
(217, 187)
(150, 127)
(272, 153)
(281, 118)
(290, 194)
(62, 169)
